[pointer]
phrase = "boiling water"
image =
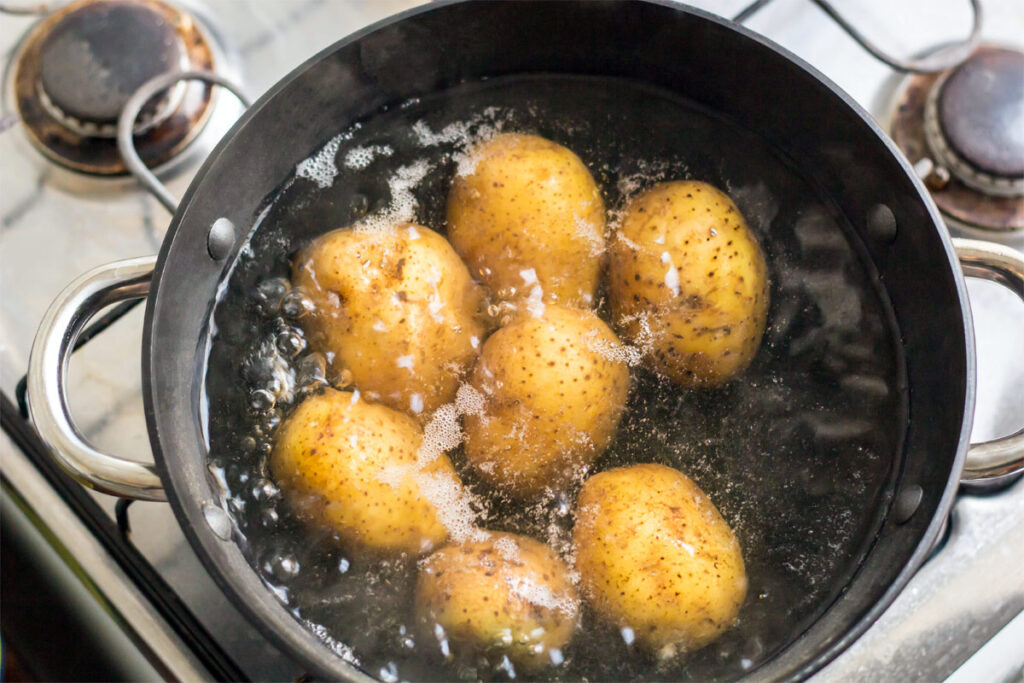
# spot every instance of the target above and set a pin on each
(798, 453)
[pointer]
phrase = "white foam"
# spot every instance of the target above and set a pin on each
(541, 595)
(592, 235)
(404, 362)
(454, 506)
(628, 242)
(469, 401)
(529, 276)
(482, 126)
(507, 548)
(403, 206)
(620, 352)
(359, 158)
(463, 136)
(646, 175)
(416, 404)
(321, 167)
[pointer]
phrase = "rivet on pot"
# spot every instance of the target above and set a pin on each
(220, 239)
(907, 502)
(881, 223)
(218, 520)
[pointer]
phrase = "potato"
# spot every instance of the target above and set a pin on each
(529, 215)
(397, 308)
(654, 555)
(508, 595)
(353, 466)
(687, 280)
(554, 389)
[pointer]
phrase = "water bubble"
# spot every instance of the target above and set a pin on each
(264, 490)
(236, 476)
(269, 517)
(261, 400)
(562, 506)
(343, 565)
(270, 293)
(311, 371)
(389, 673)
(270, 423)
(360, 204)
(295, 305)
(248, 444)
(282, 566)
(290, 343)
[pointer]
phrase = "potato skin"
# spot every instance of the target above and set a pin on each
(685, 265)
(494, 594)
(335, 458)
(654, 554)
(529, 203)
(397, 308)
(554, 393)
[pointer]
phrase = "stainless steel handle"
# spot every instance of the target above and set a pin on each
(1005, 265)
(47, 372)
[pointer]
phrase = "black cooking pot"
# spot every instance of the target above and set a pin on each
(720, 67)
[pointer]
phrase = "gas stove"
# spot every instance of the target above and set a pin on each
(65, 207)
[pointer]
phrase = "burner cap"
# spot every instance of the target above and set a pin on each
(79, 66)
(969, 162)
(974, 122)
(95, 58)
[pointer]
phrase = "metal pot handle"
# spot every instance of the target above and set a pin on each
(1004, 265)
(77, 304)
(47, 371)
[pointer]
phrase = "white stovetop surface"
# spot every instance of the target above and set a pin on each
(53, 227)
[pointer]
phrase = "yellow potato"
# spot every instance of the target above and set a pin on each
(396, 308)
(687, 281)
(353, 466)
(508, 595)
(529, 215)
(654, 555)
(554, 389)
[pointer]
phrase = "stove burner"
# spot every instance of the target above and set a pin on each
(963, 130)
(974, 122)
(79, 66)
